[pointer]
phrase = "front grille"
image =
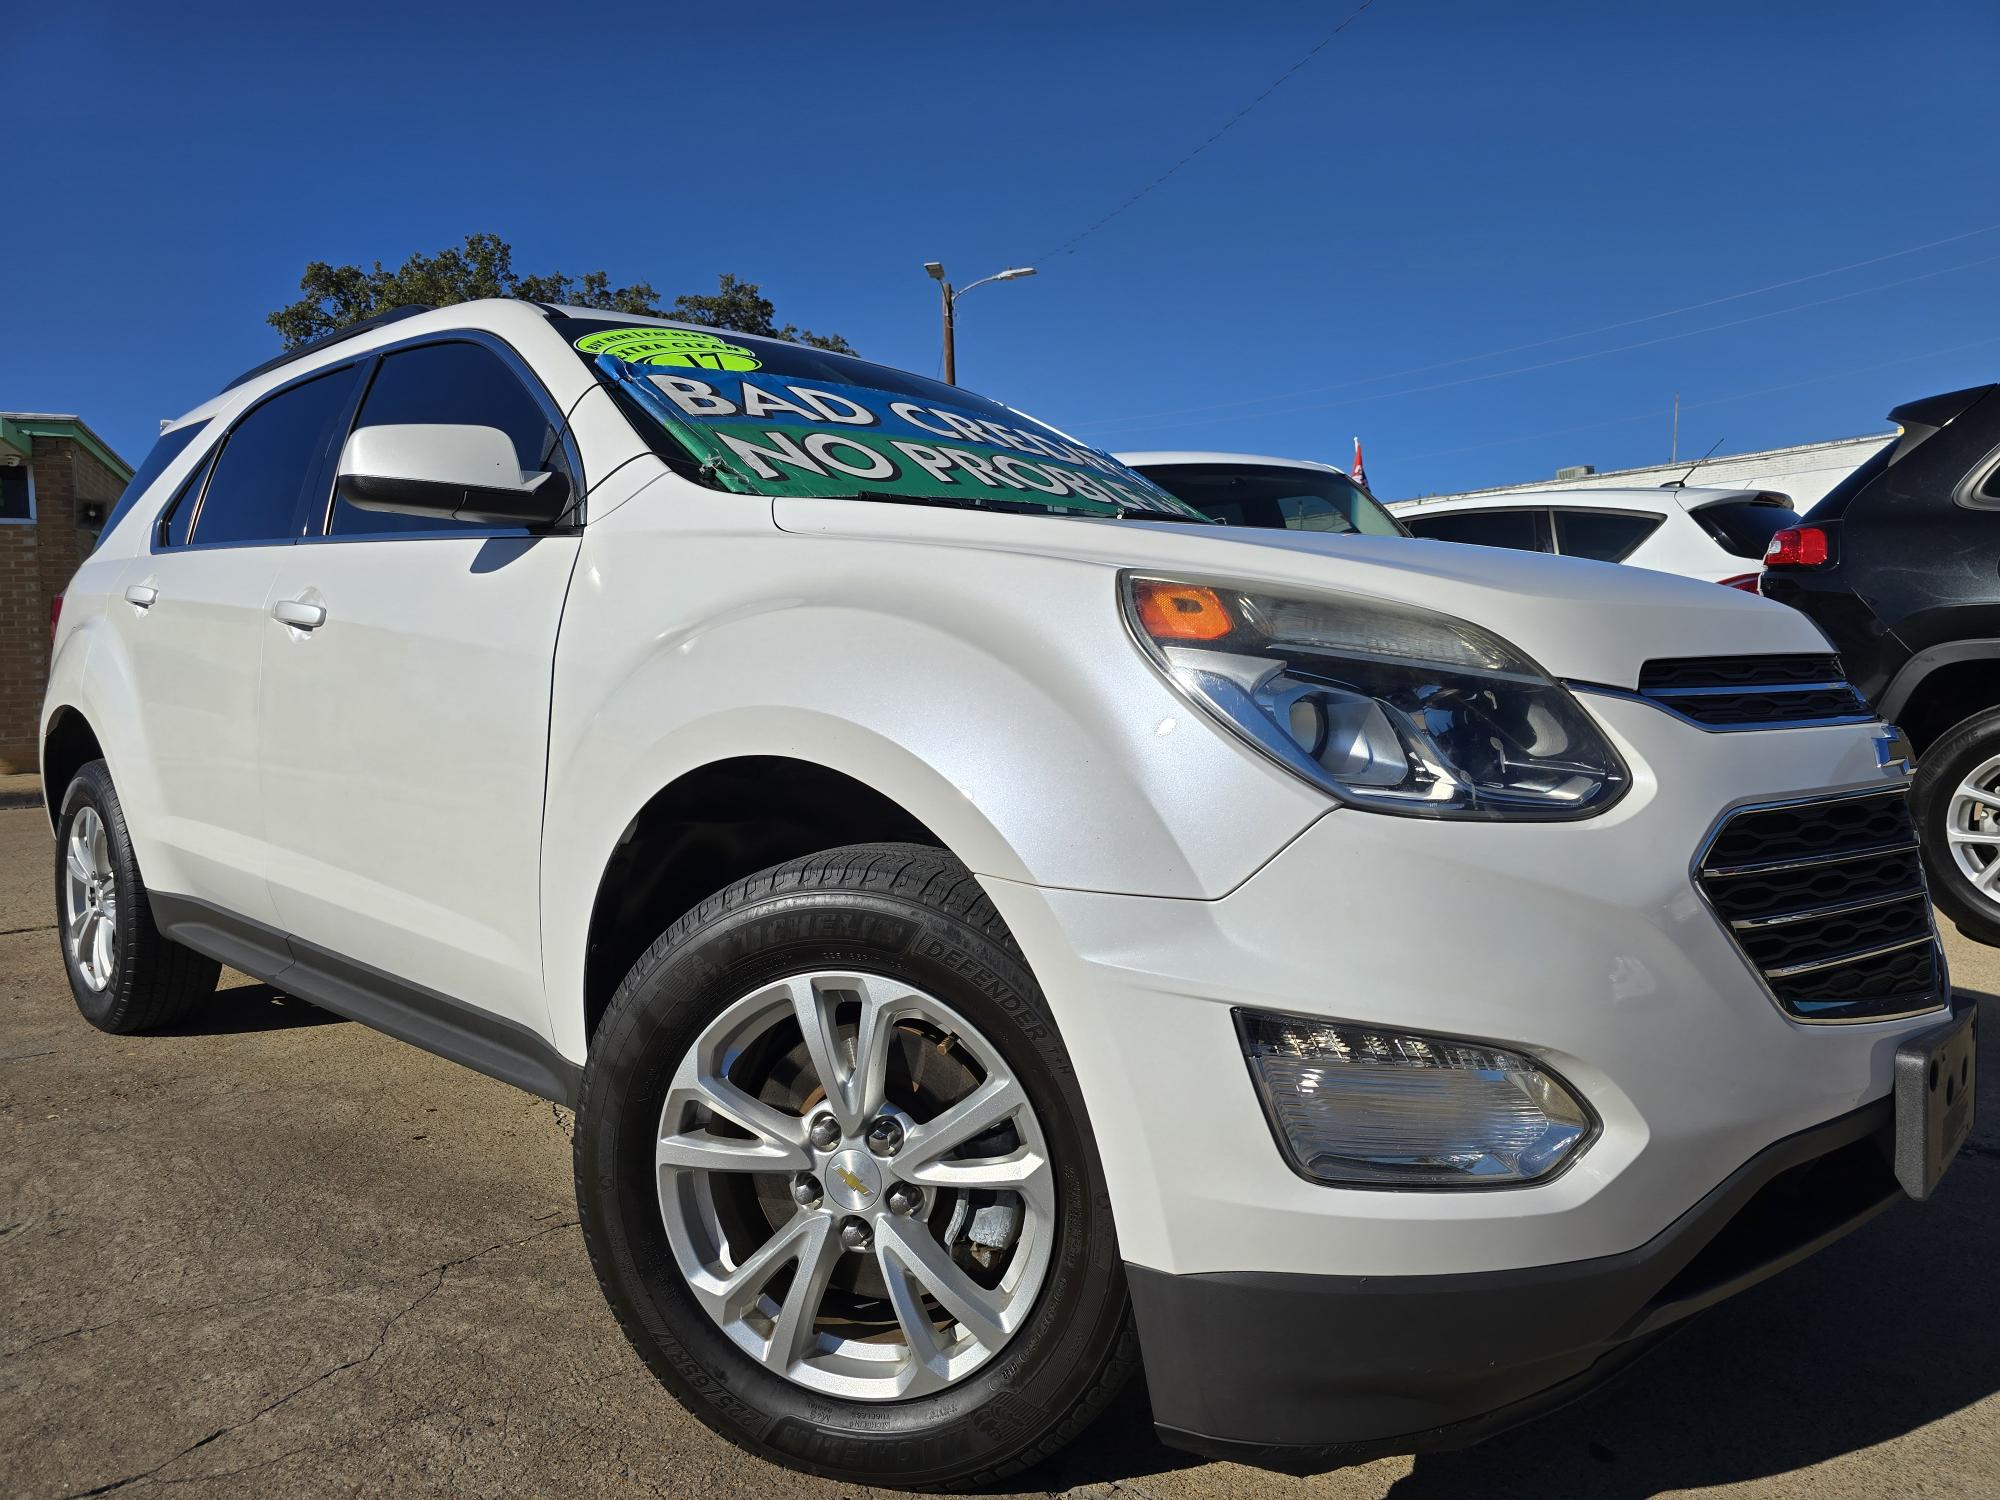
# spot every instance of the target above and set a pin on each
(1753, 692)
(1827, 902)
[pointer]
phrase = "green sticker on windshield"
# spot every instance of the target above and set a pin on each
(669, 346)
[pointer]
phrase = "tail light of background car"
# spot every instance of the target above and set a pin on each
(1744, 581)
(1799, 547)
(55, 617)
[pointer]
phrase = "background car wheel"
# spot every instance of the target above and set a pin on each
(125, 975)
(838, 1184)
(1956, 803)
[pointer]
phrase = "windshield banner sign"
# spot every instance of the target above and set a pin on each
(771, 435)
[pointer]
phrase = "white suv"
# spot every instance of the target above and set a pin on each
(1716, 534)
(994, 925)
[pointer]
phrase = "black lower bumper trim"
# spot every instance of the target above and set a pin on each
(1288, 1369)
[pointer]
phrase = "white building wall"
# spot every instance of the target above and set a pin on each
(1805, 472)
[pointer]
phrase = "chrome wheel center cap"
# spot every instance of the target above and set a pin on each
(853, 1181)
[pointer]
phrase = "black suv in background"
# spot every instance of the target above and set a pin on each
(1900, 566)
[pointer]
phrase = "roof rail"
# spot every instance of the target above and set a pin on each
(393, 315)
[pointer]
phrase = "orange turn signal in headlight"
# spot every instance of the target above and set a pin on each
(1180, 611)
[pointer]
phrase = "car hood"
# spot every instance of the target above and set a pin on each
(1581, 620)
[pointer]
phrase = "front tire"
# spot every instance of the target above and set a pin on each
(1956, 803)
(837, 1181)
(125, 974)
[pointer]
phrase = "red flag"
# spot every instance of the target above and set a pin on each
(1358, 473)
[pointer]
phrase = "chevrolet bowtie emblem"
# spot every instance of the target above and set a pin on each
(854, 1184)
(1892, 752)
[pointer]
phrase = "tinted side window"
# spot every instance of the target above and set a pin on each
(1608, 536)
(170, 447)
(253, 493)
(453, 384)
(1482, 528)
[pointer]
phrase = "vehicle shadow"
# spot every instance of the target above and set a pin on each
(250, 1007)
(1880, 1335)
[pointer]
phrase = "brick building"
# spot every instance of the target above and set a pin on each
(58, 481)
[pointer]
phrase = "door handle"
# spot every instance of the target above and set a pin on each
(141, 594)
(300, 615)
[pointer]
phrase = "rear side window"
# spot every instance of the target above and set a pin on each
(170, 447)
(1518, 529)
(179, 513)
(1606, 535)
(1744, 528)
(256, 483)
(457, 384)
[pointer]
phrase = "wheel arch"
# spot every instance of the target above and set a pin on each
(711, 826)
(1942, 686)
(69, 743)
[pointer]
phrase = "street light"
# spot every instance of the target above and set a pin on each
(936, 270)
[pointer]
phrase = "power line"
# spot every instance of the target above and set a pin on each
(1068, 246)
(1648, 416)
(1561, 338)
(1547, 364)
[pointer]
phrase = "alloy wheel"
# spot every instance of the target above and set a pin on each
(855, 1186)
(1972, 828)
(90, 909)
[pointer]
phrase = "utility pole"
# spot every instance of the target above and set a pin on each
(1674, 452)
(950, 328)
(950, 303)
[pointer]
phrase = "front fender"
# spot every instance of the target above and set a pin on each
(993, 696)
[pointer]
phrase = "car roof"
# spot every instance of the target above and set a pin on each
(499, 315)
(1165, 457)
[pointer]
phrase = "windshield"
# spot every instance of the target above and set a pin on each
(763, 417)
(1278, 497)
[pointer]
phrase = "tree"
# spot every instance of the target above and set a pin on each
(740, 306)
(336, 296)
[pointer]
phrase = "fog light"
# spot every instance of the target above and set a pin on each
(1361, 1107)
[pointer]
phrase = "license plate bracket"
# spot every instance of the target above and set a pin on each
(1937, 1079)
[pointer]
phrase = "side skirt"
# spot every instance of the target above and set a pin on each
(437, 1023)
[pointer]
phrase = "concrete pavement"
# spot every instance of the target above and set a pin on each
(277, 1254)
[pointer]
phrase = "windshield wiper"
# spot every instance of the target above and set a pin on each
(948, 502)
(1141, 513)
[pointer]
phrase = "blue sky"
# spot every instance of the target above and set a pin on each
(1445, 180)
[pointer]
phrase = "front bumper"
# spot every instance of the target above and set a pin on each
(1292, 1370)
(1278, 1311)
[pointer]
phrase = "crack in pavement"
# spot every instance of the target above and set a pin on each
(204, 1307)
(439, 1271)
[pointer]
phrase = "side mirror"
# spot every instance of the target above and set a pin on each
(460, 472)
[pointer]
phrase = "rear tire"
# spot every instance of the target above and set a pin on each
(125, 975)
(878, 932)
(1955, 777)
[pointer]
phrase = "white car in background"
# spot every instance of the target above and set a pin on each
(1277, 494)
(1714, 534)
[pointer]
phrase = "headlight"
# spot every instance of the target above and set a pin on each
(1355, 1106)
(1383, 705)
